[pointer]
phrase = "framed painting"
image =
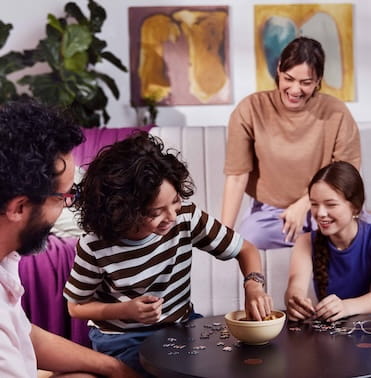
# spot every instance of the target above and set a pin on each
(330, 24)
(179, 55)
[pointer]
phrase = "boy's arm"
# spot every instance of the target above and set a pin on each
(258, 303)
(145, 309)
(55, 353)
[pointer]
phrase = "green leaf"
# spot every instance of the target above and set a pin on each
(30, 57)
(85, 116)
(97, 16)
(73, 10)
(77, 62)
(77, 38)
(7, 90)
(4, 32)
(11, 62)
(55, 23)
(110, 83)
(95, 50)
(83, 84)
(114, 60)
(49, 49)
(98, 101)
(47, 89)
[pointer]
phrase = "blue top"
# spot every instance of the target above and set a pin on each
(350, 269)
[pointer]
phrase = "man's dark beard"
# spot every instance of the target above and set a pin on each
(34, 236)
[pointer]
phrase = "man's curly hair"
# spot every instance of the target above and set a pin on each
(32, 138)
(122, 182)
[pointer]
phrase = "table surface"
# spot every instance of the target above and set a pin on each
(298, 352)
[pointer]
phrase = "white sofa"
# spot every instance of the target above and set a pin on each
(217, 285)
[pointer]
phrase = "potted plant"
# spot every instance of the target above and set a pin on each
(9, 63)
(71, 49)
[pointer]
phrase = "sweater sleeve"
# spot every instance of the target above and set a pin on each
(348, 145)
(240, 149)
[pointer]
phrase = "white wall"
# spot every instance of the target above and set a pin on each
(29, 19)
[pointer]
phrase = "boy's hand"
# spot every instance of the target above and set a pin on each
(258, 304)
(146, 309)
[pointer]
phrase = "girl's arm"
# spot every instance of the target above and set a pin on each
(299, 306)
(333, 308)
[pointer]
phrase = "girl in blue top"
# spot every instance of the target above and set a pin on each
(338, 254)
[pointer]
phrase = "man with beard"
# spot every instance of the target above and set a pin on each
(36, 182)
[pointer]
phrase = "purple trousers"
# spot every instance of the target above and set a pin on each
(262, 226)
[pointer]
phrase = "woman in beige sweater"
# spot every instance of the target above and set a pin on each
(277, 140)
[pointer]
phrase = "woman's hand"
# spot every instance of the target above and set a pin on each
(293, 218)
(300, 308)
(146, 309)
(258, 304)
(332, 308)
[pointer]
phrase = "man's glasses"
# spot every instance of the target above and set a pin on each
(347, 328)
(70, 197)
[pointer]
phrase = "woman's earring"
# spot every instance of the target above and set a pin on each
(355, 216)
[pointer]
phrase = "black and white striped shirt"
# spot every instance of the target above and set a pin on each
(158, 265)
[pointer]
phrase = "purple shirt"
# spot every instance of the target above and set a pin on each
(350, 269)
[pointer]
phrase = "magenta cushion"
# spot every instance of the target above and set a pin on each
(97, 138)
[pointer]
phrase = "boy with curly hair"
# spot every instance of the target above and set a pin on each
(131, 274)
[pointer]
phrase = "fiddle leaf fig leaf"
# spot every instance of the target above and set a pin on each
(114, 60)
(77, 62)
(55, 23)
(11, 62)
(73, 10)
(84, 85)
(30, 57)
(48, 90)
(110, 83)
(49, 49)
(97, 16)
(4, 32)
(99, 101)
(7, 90)
(77, 38)
(96, 48)
(85, 116)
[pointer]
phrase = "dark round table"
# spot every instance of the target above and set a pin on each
(202, 349)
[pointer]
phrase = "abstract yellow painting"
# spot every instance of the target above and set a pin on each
(330, 24)
(179, 55)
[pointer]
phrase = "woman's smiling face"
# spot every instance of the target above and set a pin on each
(296, 86)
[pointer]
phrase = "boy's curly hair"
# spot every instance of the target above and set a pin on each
(344, 178)
(122, 182)
(32, 138)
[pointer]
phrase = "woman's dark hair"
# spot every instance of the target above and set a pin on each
(344, 178)
(303, 50)
(32, 138)
(124, 180)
